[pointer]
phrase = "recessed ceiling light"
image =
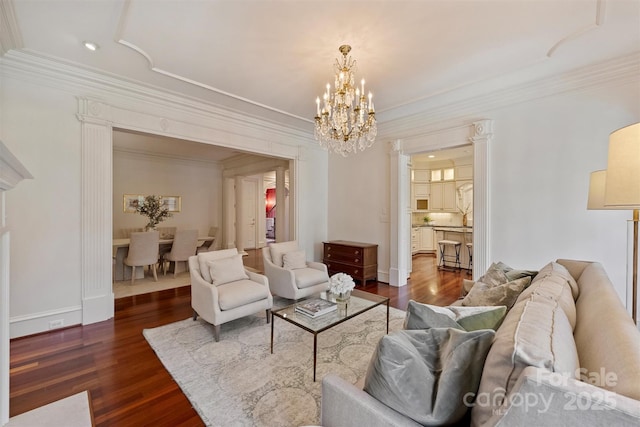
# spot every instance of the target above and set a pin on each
(91, 46)
(431, 156)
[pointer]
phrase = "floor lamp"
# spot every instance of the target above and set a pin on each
(622, 187)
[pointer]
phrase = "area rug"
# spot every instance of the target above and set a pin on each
(73, 411)
(238, 382)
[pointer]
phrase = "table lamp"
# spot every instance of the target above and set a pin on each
(622, 187)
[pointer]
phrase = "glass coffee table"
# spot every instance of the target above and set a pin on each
(359, 302)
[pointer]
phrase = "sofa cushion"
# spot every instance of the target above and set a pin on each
(226, 270)
(307, 277)
(294, 259)
(425, 374)
(556, 288)
(240, 293)
(424, 316)
(559, 270)
(504, 294)
(279, 249)
(607, 340)
(536, 332)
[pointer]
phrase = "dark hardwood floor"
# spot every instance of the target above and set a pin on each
(127, 383)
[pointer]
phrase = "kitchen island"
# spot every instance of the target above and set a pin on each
(460, 234)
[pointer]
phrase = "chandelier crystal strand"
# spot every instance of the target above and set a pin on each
(345, 121)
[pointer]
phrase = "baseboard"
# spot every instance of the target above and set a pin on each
(21, 326)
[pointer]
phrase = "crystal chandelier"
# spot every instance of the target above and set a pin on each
(345, 120)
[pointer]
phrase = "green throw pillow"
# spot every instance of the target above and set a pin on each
(506, 294)
(425, 374)
(424, 316)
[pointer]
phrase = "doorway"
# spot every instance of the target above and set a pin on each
(441, 191)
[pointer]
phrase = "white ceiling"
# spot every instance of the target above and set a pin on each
(272, 58)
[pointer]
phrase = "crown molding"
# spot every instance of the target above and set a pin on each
(439, 109)
(10, 35)
(34, 67)
(11, 170)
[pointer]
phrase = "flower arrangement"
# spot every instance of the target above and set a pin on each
(153, 209)
(341, 283)
(466, 210)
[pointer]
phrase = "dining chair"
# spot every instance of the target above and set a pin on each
(209, 245)
(143, 250)
(184, 245)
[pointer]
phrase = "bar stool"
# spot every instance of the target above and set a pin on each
(470, 249)
(443, 244)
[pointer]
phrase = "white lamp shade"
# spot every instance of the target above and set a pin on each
(622, 187)
(597, 184)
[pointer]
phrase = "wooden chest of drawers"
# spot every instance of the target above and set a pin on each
(359, 260)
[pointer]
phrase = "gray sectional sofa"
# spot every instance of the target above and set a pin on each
(536, 373)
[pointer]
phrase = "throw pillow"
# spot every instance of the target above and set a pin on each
(426, 374)
(279, 249)
(499, 273)
(466, 287)
(227, 270)
(505, 294)
(424, 316)
(294, 260)
(205, 257)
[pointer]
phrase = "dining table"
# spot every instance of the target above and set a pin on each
(121, 249)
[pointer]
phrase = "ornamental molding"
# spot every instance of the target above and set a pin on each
(403, 122)
(11, 170)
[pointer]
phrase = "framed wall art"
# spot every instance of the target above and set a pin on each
(131, 202)
(172, 203)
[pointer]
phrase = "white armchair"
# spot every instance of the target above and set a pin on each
(223, 290)
(290, 275)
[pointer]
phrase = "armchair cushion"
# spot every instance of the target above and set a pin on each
(279, 249)
(239, 293)
(226, 270)
(210, 256)
(294, 260)
(307, 277)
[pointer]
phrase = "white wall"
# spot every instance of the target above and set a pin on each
(198, 183)
(541, 156)
(40, 128)
(359, 200)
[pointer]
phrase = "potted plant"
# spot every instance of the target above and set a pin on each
(153, 209)
(427, 219)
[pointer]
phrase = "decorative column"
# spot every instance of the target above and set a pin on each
(281, 210)
(238, 213)
(400, 216)
(482, 135)
(97, 209)
(11, 173)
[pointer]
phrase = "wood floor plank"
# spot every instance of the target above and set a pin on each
(128, 384)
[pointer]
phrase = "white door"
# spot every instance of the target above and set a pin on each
(249, 213)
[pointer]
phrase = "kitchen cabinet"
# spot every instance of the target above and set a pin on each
(415, 240)
(420, 175)
(421, 190)
(420, 197)
(443, 196)
(426, 239)
(446, 174)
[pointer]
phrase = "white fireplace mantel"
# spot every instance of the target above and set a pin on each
(11, 173)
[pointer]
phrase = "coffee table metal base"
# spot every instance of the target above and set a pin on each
(315, 332)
